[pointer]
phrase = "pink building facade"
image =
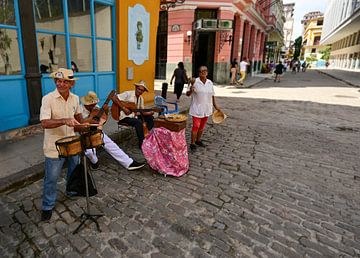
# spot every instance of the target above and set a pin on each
(213, 33)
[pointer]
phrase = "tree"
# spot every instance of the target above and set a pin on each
(298, 46)
(325, 53)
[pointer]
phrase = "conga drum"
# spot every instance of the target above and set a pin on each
(92, 139)
(69, 146)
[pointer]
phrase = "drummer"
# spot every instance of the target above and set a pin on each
(59, 113)
(89, 103)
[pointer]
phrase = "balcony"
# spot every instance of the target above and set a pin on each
(271, 21)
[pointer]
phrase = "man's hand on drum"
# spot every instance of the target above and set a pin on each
(71, 122)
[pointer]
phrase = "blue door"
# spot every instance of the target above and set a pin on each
(14, 109)
(78, 35)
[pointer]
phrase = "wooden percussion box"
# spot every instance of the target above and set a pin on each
(170, 125)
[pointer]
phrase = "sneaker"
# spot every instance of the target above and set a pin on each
(46, 215)
(135, 165)
(72, 194)
(94, 166)
(200, 143)
(192, 147)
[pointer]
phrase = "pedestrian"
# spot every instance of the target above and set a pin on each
(60, 111)
(140, 120)
(294, 66)
(278, 71)
(243, 69)
(89, 105)
(233, 70)
(180, 79)
(202, 101)
(285, 66)
(303, 66)
(298, 64)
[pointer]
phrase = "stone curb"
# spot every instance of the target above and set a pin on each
(22, 178)
(339, 79)
(35, 172)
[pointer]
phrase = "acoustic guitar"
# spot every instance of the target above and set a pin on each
(97, 116)
(119, 104)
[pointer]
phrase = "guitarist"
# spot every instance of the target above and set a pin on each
(135, 119)
(89, 103)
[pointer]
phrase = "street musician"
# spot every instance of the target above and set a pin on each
(141, 121)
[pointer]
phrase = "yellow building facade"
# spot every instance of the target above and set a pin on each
(128, 71)
(311, 39)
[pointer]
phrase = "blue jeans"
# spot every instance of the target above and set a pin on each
(53, 168)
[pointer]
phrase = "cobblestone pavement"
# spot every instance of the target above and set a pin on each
(277, 179)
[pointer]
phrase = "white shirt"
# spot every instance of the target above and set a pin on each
(129, 96)
(54, 106)
(243, 66)
(201, 99)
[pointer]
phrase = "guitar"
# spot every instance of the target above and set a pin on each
(119, 104)
(97, 116)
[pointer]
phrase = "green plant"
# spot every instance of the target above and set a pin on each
(326, 53)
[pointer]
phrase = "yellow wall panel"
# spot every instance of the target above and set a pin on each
(146, 71)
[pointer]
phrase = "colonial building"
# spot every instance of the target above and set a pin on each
(275, 40)
(288, 29)
(97, 38)
(213, 33)
(342, 30)
(311, 50)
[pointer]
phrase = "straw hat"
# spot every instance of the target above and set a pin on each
(65, 74)
(90, 99)
(218, 117)
(141, 83)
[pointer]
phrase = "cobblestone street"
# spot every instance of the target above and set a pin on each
(280, 178)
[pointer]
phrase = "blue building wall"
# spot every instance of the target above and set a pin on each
(14, 103)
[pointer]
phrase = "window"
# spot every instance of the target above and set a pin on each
(313, 50)
(51, 51)
(49, 15)
(61, 46)
(317, 40)
(319, 22)
(104, 41)
(9, 45)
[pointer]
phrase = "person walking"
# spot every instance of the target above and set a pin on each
(233, 70)
(243, 69)
(279, 68)
(180, 79)
(60, 111)
(202, 102)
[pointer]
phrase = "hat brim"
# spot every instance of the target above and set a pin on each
(218, 117)
(52, 75)
(142, 85)
(85, 102)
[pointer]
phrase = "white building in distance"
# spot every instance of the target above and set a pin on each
(288, 27)
(342, 30)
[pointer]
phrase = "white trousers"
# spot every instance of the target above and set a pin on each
(113, 149)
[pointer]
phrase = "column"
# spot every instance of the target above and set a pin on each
(246, 40)
(32, 69)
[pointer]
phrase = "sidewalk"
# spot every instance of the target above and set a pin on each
(21, 153)
(249, 82)
(349, 77)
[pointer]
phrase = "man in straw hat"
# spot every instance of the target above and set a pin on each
(60, 112)
(90, 102)
(202, 101)
(135, 120)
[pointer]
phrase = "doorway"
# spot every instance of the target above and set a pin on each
(161, 46)
(204, 53)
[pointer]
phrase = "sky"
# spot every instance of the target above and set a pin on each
(301, 8)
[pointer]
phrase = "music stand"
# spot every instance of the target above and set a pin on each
(86, 215)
